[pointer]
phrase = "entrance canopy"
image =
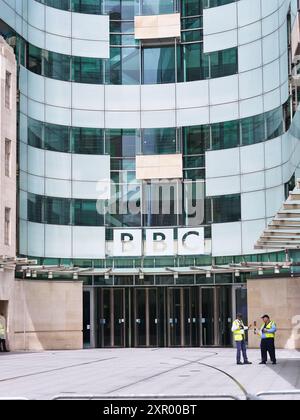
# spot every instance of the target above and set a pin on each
(75, 272)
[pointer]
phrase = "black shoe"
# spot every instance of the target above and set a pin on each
(247, 363)
(239, 363)
(274, 363)
(263, 363)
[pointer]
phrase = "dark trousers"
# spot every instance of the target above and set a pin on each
(268, 346)
(3, 347)
(241, 348)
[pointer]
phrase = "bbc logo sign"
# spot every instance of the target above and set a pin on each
(157, 242)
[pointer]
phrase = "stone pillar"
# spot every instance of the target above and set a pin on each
(48, 315)
(280, 299)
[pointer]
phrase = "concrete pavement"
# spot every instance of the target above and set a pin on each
(174, 371)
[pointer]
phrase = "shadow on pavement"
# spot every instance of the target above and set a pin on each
(288, 370)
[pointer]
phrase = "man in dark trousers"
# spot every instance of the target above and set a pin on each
(267, 333)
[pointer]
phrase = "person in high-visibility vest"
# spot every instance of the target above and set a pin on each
(3, 347)
(239, 334)
(267, 333)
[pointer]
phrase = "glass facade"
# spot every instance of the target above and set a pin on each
(132, 65)
(74, 212)
(192, 141)
(126, 8)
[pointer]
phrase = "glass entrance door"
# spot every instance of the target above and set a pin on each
(224, 299)
(183, 317)
(146, 319)
(87, 319)
(160, 316)
(208, 316)
(111, 319)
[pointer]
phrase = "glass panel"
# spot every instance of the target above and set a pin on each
(86, 213)
(160, 204)
(174, 317)
(58, 211)
(158, 141)
(194, 64)
(225, 310)
(242, 303)
(86, 319)
(223, 63)
(227, 209)
(87, 6)
(225, 135)
(253, 130)
(196, 140)
(35, 208)
(192, 7)
(123, 66)
(157, 7)
(121, 143)
(57, 66)
(35, 133)
(159, 65)
(274, 123)
(34, 59)
(119, 318)
(153, 317)
(121, 9)
(208, 317)
(140, 317)
(88, 141)
(87, 70)
(57, 138)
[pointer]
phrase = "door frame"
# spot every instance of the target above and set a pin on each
(91, 292)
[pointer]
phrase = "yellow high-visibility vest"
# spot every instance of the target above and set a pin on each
(268, 327)
(238, 330)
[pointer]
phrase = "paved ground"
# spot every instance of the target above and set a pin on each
(142, 371)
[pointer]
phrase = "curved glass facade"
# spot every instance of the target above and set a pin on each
(131, 65)
(74, 212)
(191, 141)
(127, 8)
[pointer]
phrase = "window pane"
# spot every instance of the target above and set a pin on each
(121, 143)
(34, 59)
(192, 7)
(225, 135)
(274, 123)
(87, 70)
(57, 138)
(88, 141)
(159, 65)
(196, 139)
(194, 63)
(227, 209)
(159, 141)
(35, 133)
(123, 66)
(35, 208)
(224, 63)
(57, 66)
(157, 7)
(58, 211)
(86, 213)
(87, 6)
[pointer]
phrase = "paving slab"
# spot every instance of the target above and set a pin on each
(164, 371)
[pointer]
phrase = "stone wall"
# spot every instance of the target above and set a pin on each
(47, 315)
(280, 298)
